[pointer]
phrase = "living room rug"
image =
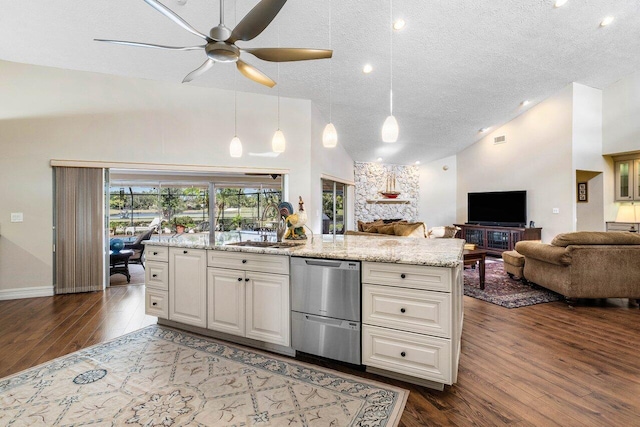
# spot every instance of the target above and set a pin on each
(158, 376)
(500, 289)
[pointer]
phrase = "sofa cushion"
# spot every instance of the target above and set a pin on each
(410, 229)
(543, 252)
(596, 238)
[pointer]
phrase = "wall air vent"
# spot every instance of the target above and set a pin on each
(500, 139)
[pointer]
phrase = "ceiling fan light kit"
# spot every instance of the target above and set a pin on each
(220, 43)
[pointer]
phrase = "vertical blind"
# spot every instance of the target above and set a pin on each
(79, 230)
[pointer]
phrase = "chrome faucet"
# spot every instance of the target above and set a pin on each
(263, 228)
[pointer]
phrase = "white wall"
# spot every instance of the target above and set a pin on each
(537, 157)
(621, 110)
(106, 118)
(438, 188)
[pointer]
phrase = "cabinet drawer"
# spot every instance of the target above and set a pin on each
(156, 253)
(424, 312)
(278, 264)
(622, 226)
(156, 303)
(407, 276)
(407, 353)
(156, 275)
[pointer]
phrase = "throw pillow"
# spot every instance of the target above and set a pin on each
(369, 226)
(382, 229)
(415, 229)
(450, 231)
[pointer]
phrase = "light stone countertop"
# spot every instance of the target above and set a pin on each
(400, 250)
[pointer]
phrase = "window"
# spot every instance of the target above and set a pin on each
(244, 208)
(334, 195)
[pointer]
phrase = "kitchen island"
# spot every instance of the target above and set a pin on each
(411, 297)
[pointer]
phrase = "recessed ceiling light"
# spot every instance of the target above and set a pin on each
(367, 69)
(417, 162)
(606, 21)
(560, 3)
(525, 103)
(399, 24)
(379, 159)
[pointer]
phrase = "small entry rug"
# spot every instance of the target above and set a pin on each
(158, 376)
(500, 289)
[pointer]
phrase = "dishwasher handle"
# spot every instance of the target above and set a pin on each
(332, 264)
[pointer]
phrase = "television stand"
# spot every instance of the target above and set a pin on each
(494, 239)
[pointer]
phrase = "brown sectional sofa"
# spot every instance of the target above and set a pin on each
(585, 264)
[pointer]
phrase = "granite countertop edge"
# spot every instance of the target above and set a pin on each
(410, 251)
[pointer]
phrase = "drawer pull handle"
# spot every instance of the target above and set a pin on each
(155, 253)
(185, 252)
(155, 303)
(402, 310)
(403, 276)
(244, 261)
(403, 354)
(239, 279)
(246, 280)
(154, 275)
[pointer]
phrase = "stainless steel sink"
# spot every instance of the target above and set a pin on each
(274, 245)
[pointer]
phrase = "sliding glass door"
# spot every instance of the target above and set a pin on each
(334, 195)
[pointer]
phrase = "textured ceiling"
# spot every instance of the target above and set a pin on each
(458, 66)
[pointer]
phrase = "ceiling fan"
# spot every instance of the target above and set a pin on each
(221, 41)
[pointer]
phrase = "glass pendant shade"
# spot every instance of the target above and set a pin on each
(330, 136)
(235, 148)
(390, 129)
(278, 143)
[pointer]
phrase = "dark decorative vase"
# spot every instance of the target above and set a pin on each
(116, 245)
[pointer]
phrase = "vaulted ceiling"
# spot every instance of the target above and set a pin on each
(458, 65)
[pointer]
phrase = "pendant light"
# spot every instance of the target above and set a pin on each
(235, 148)
(278, 142)
(330, 135)
(390, 129)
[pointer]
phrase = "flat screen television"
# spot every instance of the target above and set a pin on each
(501, 208)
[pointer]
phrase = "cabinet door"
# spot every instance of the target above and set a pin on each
(624, 180)
(226, 301)
(636, 179)
(188, 286)
(268, 307)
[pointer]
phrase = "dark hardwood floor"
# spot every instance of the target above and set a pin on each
(542, 365)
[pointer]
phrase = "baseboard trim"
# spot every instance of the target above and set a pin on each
(35, 292)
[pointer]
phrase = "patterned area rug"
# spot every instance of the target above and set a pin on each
(158, 376)
(500, 289)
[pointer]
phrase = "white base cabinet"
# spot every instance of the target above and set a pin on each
(249, 302)
(412, 320)
(188, 286)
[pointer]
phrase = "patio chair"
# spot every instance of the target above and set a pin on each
(138, 247)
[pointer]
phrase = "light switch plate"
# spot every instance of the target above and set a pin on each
(17, 217)
(556, 210)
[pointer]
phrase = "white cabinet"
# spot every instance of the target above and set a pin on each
(627, 178)
(246, 301)
(412, 320)
(156, 279)
(188, 286)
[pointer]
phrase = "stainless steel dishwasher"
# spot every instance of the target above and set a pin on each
(325, 308)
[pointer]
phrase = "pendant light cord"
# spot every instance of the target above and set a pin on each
(330, 63)
(278, 65)
(235, 81)
(391, 56)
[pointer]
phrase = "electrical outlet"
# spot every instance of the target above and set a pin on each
(17, 217)
(556, 210)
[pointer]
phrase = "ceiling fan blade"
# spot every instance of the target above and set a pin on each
(155, 46)
(282, 54)
(198, 71)
(256, 20)
(175, 18)
(251, 72)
